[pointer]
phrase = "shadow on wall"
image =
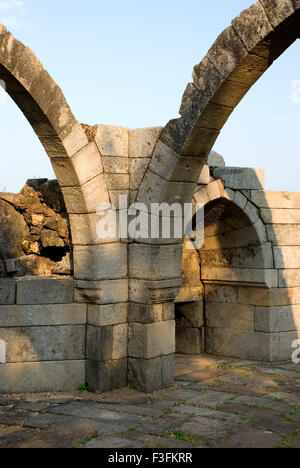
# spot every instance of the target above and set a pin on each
(240, 294)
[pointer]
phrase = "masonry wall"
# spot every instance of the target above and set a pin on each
(44, 334)
(249, 268)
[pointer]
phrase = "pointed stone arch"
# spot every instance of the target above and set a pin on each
(238, 58)
(75, 157)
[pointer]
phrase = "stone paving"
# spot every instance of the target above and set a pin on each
(215, 403)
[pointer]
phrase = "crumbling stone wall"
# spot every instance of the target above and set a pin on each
(34, 235)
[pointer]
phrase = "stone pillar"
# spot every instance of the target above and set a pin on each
(106, 334)
(151, 337)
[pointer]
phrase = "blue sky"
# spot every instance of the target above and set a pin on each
(127, 62)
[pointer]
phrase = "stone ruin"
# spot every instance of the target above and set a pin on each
(35, 236)
(75, 308)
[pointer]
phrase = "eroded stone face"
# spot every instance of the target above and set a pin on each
(34, 235)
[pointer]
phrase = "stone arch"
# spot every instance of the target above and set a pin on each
(238, 58)
(75, 157)
(236, 257)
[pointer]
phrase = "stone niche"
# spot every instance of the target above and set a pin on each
(35, 236)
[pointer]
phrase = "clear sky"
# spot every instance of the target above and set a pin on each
(127, 62)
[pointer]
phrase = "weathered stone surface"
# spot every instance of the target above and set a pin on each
(42, 315)
(13, 231)
(193, 312)
(143, 141)
(189, 341)
(84, 230)
(145, 374)
(204, 178)
(252, 26)
(107, 343)
(267, 277)
(277, 319)
(143, 313)
(44, 291)
(288, 235)
(41, 376)
(278, 216)
(154, 262)
(90, 196)
(112, 141)
(7, 291)
(106, 376)
(101, 292)
(279, 200)
(287, 257)
(148, 341)
(242, 257)
(278, 10)
(103, 316)
(215, 160)
(115, 165)
(36, 344)
(289, 278)
(221, 294)
(241, 178)
(98, 262)
(233, 316)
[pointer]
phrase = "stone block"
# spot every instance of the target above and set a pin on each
(35, 344)
(193, 312)
(242, 257)
(81, 168)
(107, 343)
(247, 276)
(287, 235)
(221, 294)
(7, 291)
(32, 291)
(260, 25)
(277, 319)
(112, 141)
(143, 142)
(145, 375)
(107, 315)
(289, 278)
(137, 169)
(278, 10)
(172, 167)
(201, 197)
(278, 216)
(154, 262)
(215, 160)
(245, 345)
(213, 191)
(106, 376)
(277, 200)
(189, 341)
(148, 341)
(101, 292)
(241, 178)
(150, 313)
(266, 297)
(117, 181)
(287, 257)
(155, 189)
(167, 371)
(84, 230)
(233, 316)
(88, 197)
(100, 262)
(115, 165)
(41, 377)
(240, 200)
(42, 315)
(204, 178)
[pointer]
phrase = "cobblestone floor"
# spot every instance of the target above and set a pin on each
(215, 402)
